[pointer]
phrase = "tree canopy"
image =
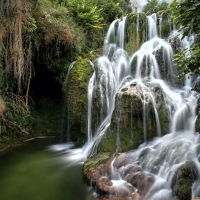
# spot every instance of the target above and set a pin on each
(186, 16)
(153, 6)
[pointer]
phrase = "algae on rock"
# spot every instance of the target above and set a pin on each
(76, 98)
(135, 32)
(183, 180)
(129, 126)
(165, 24)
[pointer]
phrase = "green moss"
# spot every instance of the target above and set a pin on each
(126, 130)
(183, 180)
(135, 36)
(91, 163)
(108, 142)
(130, 36)
(126, 124)
(165, 29)
(76, 95)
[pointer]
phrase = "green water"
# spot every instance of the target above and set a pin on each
(33, 172)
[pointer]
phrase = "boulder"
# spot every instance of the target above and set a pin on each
(127, 129)
(135, 185)
(183, 180)
(76, 97)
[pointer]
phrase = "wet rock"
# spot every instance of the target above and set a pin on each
(99, 176)
(134, 187)
(164, 28)
(135, 32)
(183, 180)
(121, 160)
(97, 166)
(133, 84)
(2, 110)
(198, 116)
(142, 181)
(104, 185)
(127, 129)
(76, 97)
(124, 89)
(112, 197)
(121, 189)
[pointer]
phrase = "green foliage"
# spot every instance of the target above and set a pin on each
(86, 14)
(186, 16)
(109, 10)
(42, 37)
(58, 38)
(15, 119)
(153, 6)
(93, 16)
(76, 95)
(125, 6)
(188, 60)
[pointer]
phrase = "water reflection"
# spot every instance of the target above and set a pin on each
(38, 171)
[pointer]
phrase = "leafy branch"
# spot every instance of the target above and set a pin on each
(188, 60)
(186, 17)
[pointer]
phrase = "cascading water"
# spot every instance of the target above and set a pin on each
(111, 69)
(163, 156)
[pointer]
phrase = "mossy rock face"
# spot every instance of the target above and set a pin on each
(76, 97)
(100, 97)
(164, 23)
(91, 164)
(127, 130)
(167, 72)
(183, 180)
(198, 116)
(135, 32)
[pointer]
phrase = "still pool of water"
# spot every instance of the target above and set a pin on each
(34, 171)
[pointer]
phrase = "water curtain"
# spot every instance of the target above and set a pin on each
(117, 71)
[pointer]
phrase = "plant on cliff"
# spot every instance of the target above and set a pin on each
(186, 16)
(93, 16)
(125, 6)
(109, 10)
(58, 38)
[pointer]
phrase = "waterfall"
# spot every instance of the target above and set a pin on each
(110, 71)
(165, 154)
(68, 117)
(115, 65)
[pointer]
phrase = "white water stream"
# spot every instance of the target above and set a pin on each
(182, 143)
(175, 148)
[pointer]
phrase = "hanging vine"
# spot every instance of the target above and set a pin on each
(17, 42)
